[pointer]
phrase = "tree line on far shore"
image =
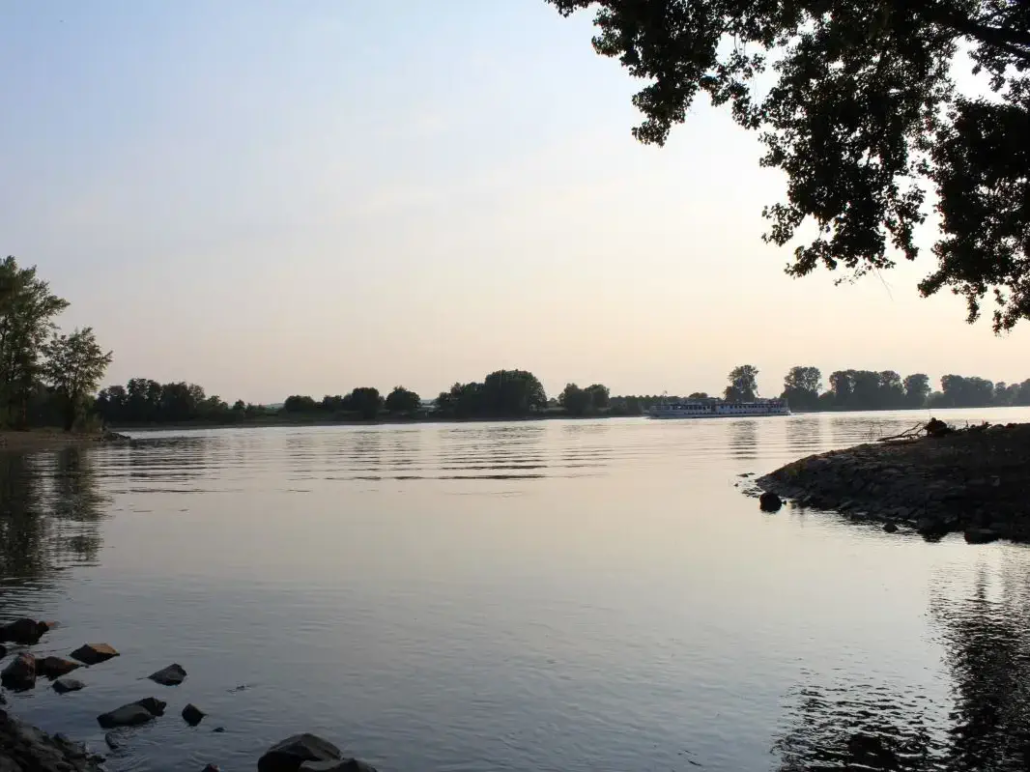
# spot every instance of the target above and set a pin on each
(519, 393)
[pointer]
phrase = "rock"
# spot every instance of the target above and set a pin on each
(94, 653)
(55, 667)
(193, 715)
(27, 632)
(288, 755)
(153, 705)
(173, 675)
(981, 535)
(931, 527)
(342, 765)
(211, 768)
(770, 502)
(218, 729)
(114, 742)
(68, 684)
(3, 651)
(20, 674)
(24, 748)
(132, 714)
(890, 528)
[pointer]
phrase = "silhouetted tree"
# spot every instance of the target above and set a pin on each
(74, 365)
(863, 117)
(575, 400)
(365, 401)
(801, 387)
(512, 393)
(917, 389)
(299, 404)
(402, 400)
(743, 384)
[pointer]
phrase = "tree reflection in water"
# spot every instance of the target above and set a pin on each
(985, 632)
(50, 510)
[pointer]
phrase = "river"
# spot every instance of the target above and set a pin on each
(561, 595)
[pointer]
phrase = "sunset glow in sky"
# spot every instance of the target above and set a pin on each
(270, 198)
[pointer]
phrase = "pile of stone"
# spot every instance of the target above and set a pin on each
(24, 748)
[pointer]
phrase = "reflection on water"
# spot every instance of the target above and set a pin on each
(571, 595)
(50, 513)
(983, 622)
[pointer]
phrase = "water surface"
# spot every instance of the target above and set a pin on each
(560, 595)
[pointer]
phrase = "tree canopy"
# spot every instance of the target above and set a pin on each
(856, 102)
(74, 365)
(743, 384)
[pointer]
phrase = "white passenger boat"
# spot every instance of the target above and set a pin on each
(718, 408)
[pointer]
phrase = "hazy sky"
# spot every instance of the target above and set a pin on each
(270, 198)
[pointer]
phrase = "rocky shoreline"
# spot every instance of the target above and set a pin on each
(935, 481)
(25, 748)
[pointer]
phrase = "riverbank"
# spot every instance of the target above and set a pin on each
(972, 480)
(24, 748)
(38, 440)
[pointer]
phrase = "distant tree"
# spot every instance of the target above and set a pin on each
(698, 395)
(856, 102)
(239, 406)
(74, 365)
(402, 401)
(891, 391)
(299, 404)
(364, 400)
(865, 393)
(843, 385)
(961, 391)
(574, 400)
(917, 390)
(512, 393)
(332, 404)
(743, 384)
(801, 387)
(600, 397)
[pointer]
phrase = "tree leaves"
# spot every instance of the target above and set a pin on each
(863, 118)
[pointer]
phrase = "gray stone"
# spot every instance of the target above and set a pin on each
(340, 765)
(288, 755)
(193, 715)
(133, 714)
(114, 742)
(981, 535)
(3, 651)
(890, 528)
(27, 632)
(68, 684)
(153, 705)
(173, 675)
(20, 673)
(55, 667)
(94, 653)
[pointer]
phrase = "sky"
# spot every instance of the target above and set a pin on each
(272, 198)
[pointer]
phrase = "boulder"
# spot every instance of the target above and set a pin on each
(27, 632)
(193, 715)
(94, 653)
(173, 675)
(68, 684)
(211, 768)
(132, 714)
(342, 765)
(55, 667)
(890, 528)
(3, 651)
(114, 742)
(288, 755)
(981, 535)
(20, 673)
(770, 502)
(931, 527)
(152, 705)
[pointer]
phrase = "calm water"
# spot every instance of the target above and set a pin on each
(564, 596)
